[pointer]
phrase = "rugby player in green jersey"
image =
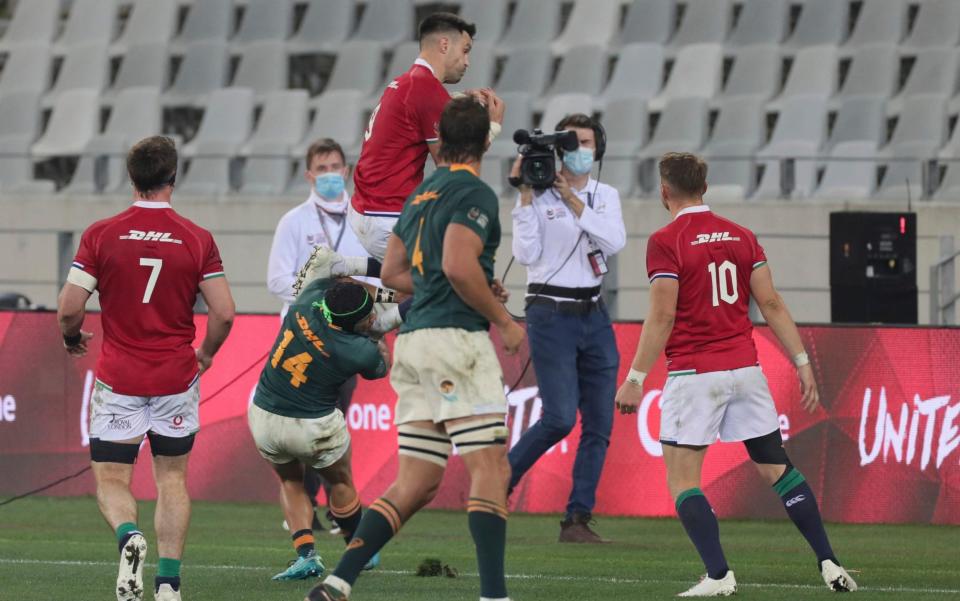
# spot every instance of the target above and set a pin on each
(294, 418)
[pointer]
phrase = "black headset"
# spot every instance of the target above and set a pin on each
(599, 134)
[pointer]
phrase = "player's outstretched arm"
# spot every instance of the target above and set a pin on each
(221, 310)
(71, 309)
(395, 272)
(653, 339)
(462, 248)
(778, 317)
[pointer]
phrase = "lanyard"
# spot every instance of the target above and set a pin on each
(326, 232)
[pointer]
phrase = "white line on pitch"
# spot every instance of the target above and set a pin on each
(553, 577)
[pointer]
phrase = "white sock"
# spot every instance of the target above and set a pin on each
(338, 583)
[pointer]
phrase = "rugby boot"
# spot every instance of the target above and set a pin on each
(130, 573)
(166, 593)
(708, 587)
(310, 566)
(836, 577)
(576, 529)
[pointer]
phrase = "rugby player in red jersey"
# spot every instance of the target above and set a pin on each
(703, 269)
(148, 264)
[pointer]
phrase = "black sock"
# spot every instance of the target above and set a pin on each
(802, 508)
(348, 518)
(376, 528)
(303, 542)
(173, 581)
(701, 525)
(404, 307)
(488, 526)
(373, 268)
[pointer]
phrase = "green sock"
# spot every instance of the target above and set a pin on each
(168, 568)
(378, 525)
(124, 532)
(488, 526)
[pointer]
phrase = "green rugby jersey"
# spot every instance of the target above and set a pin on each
(450, 195)
(312, 359)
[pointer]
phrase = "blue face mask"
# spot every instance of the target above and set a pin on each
(579, 161)
(329, 185)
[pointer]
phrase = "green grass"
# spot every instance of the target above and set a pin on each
(59, 549)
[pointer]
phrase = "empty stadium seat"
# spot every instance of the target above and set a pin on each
(481, 71)
(649, 22)
(704, 22)
(150, 22)
(226, 125)
(935, 72)
(403, 56)
(358, 67)
(34, 22)
(325, 27)
(860, 119)
(637, 75)
(89, 22)
(590, 22)
(526, 70)
(879, 22)
(19, 125)
(338, 115)
(852, 175)
(27, 69)
(625, 122)
(280, 128)
(265, 20)
(761, 22)
(135, 115)
(919, 134)
(387, 22)
(583, 70)
(263, 68)
(949, 189)
(937, 26)
(144, 65)
(562, 105)
(873, 72)
(73, 123)
(85, 67)
(204, 69)
(696, 73)
(799, 133)
(739, 130)
(755, 73)
(208, 20)
(490, 17)
(814, 73)
(821, 22)
(535, 23)
(682, 127)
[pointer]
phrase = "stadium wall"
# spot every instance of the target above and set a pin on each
(794, 235)
(885, 446)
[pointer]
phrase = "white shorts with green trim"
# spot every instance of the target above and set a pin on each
(733, 405)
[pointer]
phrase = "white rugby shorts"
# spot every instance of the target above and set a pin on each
(372, 231)
(318, 442)
(734, 405)
(116, 417)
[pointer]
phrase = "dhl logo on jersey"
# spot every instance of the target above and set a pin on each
(714, 237)
(150, 236)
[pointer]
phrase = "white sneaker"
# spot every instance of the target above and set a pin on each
(130, 574)
(836, 577)
(323, 263)
(166, 593)
(708, 587)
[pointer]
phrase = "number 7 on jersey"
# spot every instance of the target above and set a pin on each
(155, 266)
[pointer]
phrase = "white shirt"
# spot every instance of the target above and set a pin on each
(545, 232)
(298, 232)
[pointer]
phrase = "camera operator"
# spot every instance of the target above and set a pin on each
(564, 235)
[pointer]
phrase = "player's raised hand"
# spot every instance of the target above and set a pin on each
(79, 349)
(810, 396)
(512, 335)
(499, 291)
(496, 107)
(204, 361)
(628, 398)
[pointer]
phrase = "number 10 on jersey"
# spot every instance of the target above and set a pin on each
(723, 283)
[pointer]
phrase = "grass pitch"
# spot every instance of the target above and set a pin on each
(59, 549)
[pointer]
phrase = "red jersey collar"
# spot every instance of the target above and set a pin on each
(693, 209)
(152, 204)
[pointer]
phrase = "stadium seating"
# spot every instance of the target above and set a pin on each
(822, 78)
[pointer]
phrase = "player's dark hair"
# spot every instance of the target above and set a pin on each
(444, 23)
(684, 172)
(152, 163)
(464, 128)
(324, 146)
(345, 304)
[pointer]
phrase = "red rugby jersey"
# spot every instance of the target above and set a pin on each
(395, 142)
(147, 263)
(712, 258)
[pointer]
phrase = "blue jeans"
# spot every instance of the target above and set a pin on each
(575, 358)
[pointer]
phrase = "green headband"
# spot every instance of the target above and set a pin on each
(329, 315)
